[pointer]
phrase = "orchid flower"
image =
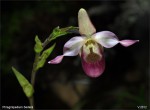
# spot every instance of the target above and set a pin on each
(90, 46)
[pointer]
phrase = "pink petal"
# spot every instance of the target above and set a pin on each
(106, 38)
(73, 46)
(94, 69)
(109, 39)
(56, 60)
(85, 26)
(127, 43)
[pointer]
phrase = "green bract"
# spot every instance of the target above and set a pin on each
(44, 56)
(57, 32)
(27, 87)
(38, 46)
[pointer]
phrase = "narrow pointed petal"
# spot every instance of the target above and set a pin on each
(73, 46)
(127, 43)
(94, 69)
(56, 60)
(106, 38)
(85, 25)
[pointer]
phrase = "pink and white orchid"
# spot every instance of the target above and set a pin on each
(90, 46)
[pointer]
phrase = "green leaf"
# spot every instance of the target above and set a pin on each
(57, 32)
(27, 87)
(38, 46)
(44, 56)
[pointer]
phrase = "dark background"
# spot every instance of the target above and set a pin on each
(124, 83)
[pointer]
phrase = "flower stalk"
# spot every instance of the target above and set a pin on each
(41, 55)
(33, 74)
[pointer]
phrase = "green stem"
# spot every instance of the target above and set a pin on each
(33, 74)
(34, 70)
(37, 58)
(47, 41)
(31, 101)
